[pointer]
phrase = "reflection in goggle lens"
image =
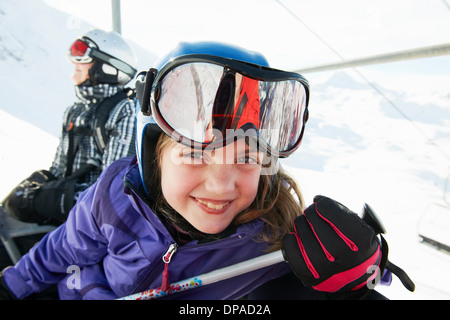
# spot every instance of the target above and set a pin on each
(205, 102)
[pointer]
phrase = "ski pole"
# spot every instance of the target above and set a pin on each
(211, 277)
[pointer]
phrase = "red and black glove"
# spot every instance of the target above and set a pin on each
(333, 250)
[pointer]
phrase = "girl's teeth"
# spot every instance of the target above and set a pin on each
(212, 205)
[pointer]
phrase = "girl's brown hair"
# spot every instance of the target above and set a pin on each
(277, 202)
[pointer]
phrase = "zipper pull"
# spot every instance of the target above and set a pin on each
(169, 253)
(167, 257)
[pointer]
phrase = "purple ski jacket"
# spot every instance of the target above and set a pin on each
(112, 246)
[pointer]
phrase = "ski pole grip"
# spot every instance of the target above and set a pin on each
(369, 216)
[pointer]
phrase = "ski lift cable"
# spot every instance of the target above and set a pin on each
(447, 4)
(441, 50)
(311, 30)
(403, 114)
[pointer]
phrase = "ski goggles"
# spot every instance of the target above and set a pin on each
(80, 50)
(202, 101)
(84, 51)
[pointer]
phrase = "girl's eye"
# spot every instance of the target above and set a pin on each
(248, 159)
(192, 157)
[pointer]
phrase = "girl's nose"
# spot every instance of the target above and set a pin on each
(219, 179)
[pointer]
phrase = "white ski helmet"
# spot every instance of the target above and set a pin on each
(114, 59)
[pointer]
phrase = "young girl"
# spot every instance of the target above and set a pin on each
(203, 193)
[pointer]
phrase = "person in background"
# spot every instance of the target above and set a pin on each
(97, 129)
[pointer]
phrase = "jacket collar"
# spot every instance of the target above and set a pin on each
(93, 94)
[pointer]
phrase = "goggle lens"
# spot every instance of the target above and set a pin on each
(79, 53)
(78, 48)
(205, 103)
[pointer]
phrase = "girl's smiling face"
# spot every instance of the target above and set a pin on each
(210, 188)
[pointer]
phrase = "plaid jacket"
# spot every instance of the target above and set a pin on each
(78, 117)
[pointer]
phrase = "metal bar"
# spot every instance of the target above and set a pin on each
(116, 23)
(211, 277)
(418, 53)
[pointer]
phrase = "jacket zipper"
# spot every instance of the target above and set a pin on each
(166, 258)
(168, 255)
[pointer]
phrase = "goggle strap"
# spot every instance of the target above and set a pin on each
(118, 64)
(144, 88)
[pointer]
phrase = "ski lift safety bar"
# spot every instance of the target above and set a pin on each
(418, 53)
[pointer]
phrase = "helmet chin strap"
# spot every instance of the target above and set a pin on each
(98, 76)
(149, 162)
